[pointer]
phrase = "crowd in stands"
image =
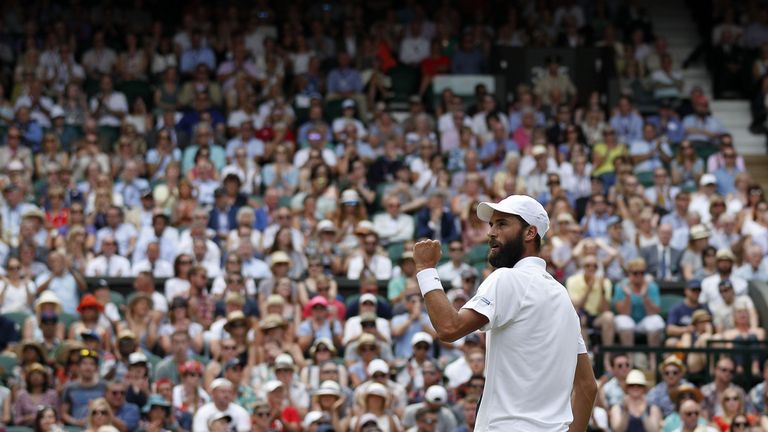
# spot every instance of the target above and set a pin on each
(241, 162)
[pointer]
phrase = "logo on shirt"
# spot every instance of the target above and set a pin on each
(484, 300)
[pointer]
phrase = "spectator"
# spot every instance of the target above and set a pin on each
(77, 394)
(663, 259)
(434, 400)
(710, 295)
(635, 410)
(626, 122)
(713, 392)
(222, 393)
(637, 302)
(672, 371)
(591, 295)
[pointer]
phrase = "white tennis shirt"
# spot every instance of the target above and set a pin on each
(534, 338)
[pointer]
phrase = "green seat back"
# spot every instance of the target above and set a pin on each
(668, 301)
(395, 251)
(18, 318)
(478, 254)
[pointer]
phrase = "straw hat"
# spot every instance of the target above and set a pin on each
(636, 377)
(48, 296)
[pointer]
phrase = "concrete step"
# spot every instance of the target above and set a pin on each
(757, 166)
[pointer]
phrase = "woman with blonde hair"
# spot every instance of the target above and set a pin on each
(99, 414)
(77, 249)
(51, 152)
(186, 203)
(732, 403)
(375, 406)
(687, 167)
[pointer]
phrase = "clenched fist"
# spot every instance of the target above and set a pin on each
(426, 254)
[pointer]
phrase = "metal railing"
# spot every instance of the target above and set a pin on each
(757, 350)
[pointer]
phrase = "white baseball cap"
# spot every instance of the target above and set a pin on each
(521, 205)
(272, 385)
(368, 297)
(436, 394)
(311, 417)
(707, 179)
(220, 382)
(422, 337)
(378, 365)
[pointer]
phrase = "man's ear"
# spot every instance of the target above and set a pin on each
(530, 233)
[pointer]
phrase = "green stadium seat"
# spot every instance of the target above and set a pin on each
(395, 251)
(116, 298)
(7, 363)
(67, 319)
(18, 429)
(332, 109)
(668, 301)
(405, 82)
(18, 318)
(478, 254)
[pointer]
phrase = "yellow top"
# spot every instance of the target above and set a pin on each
(577, 289)
(609, 156)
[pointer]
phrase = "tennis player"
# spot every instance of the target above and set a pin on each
(536, 358)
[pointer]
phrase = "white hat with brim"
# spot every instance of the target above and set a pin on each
(524, 206)
(219, 416)
(636, 377)
(311, 417)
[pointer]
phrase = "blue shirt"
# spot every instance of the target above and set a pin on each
(218, 157)
(637, 311)
(726, 180)
(65, 288)
(628, 128)
(710, 123)
(346, 80)
(129, 414)
(403, 348)
(681, 314)
(305, 329)
(194, 56)
(78, 397)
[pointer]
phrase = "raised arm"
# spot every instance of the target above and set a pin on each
(449, 324)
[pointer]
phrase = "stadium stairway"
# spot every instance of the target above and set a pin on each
(672, 19)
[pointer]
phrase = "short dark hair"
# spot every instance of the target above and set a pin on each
(618, 355)
(537, 243)
(422, 412)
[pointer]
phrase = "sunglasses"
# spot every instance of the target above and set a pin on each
(731, 399)
(429, 421)
(192, 374)
(691, 413)
(100, 412)
(672, 373)
(725, 370)
(367, 349)
(739, 425)
(263, 414)
(637, 273)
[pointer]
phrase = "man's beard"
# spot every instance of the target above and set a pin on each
(508, 253)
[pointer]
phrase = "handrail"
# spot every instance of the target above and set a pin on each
(711, 352)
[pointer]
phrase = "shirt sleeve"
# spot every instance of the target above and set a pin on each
(582, 347)
(488, 303)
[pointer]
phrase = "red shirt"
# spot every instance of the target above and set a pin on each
(432, 66)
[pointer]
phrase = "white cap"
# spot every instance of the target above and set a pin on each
(538, 150)
(421, 337)
(348, 103)
(15, 165)
(377, 389)
(521, 205)
(272, 385)
(368, 297)
(328, 388)
(219, 416)
(707, 179)
(312, 417)
(220, 382)
(350, 196)
(137, 358)
(56, 111)
(368, 417)
(436, 394)
(325, 225)
(378, 365)
(284, 361)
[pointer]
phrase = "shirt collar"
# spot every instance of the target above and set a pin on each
(531, 261)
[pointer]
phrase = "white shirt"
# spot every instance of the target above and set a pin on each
(533, 343)
(380, 265)
(115, 102)
(354, 328)
(240, 417)
(114, 266)
(710, 289)
(163, 269)
(451, 273)
(123, 235)
(458, 372)
(394, 230)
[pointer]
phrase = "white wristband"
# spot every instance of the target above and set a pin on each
(428, 281)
